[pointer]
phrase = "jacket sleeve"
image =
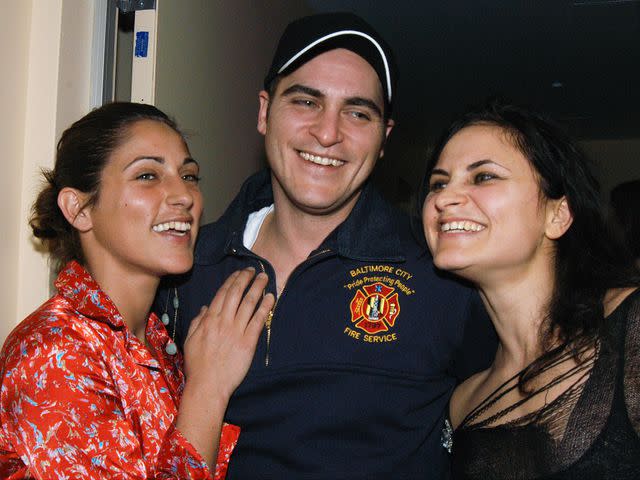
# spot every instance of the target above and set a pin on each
(61, 412)
(178, 458)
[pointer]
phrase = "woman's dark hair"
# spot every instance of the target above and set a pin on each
(589, 257)
(81, 155)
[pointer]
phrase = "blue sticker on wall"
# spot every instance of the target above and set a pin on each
(142, 44)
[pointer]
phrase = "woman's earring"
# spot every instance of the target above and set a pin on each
(171, 347)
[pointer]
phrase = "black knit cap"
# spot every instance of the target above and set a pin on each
(308, 37)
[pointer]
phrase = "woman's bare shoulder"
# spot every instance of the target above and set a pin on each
(464, 397)
(614, 297)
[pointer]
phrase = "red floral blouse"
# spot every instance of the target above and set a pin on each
(82, 397)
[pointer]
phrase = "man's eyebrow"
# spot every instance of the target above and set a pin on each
(314, 92)
(297, 88)
(364, 102)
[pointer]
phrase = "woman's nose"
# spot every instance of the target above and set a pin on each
(179, 192)
(449, 196)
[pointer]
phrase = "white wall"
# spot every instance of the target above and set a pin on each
(45, 47)
(211, 59)
(15, 28)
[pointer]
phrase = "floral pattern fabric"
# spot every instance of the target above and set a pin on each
(82, 397)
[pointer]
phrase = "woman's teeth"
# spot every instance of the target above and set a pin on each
(177, 226)
(464, 226)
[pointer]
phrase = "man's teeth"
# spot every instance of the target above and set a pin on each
(178, 226)
(464, 226)
(321, 160)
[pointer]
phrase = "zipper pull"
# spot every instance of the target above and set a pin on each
(268, 326)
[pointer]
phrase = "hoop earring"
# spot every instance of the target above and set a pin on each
(171, 347)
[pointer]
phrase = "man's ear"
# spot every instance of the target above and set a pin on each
(263, 98)
(559, 218)
(387, 130)
(72, 203)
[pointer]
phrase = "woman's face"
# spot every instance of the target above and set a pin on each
(484, 213)
(146, 216)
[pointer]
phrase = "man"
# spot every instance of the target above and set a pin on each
(365, 343)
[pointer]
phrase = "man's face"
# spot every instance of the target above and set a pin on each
(324, 131)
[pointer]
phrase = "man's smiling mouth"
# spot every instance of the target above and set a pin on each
(318, 160)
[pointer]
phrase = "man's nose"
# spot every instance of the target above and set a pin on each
(327, 128)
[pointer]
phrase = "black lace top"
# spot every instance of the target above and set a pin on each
(579, 421)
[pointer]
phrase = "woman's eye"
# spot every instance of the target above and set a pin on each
(146, 176)
(191, 177)
(437, 185)
(483, 177)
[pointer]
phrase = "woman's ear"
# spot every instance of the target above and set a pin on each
(72, 203)
(559, 218)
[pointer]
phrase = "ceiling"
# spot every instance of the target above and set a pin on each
(577, 60)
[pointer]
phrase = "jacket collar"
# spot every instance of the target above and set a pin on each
(370, 232)
(86, 297)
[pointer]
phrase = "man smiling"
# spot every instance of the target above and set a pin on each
(365, 343)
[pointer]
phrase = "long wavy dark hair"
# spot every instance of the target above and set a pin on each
(590, 258)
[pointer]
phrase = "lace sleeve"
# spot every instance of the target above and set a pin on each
(632, 364)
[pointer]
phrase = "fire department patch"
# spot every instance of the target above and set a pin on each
(375, 308)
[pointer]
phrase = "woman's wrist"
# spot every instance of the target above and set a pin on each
(200, 419)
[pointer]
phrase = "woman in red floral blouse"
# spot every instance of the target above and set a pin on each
(92, 386)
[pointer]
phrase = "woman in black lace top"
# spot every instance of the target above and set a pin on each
(510, 204)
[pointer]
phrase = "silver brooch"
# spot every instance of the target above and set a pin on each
(446, 439)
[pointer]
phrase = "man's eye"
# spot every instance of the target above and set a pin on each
(360, 115)
(305, 102)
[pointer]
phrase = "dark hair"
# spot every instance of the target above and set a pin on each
(589, 258)
(81, 155)
(625, 200)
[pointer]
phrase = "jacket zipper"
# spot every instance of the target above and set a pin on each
(273, 309)
(267, 324)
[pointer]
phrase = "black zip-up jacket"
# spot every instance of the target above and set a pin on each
(365, 346)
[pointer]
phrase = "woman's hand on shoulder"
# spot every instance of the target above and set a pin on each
(222, 339)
